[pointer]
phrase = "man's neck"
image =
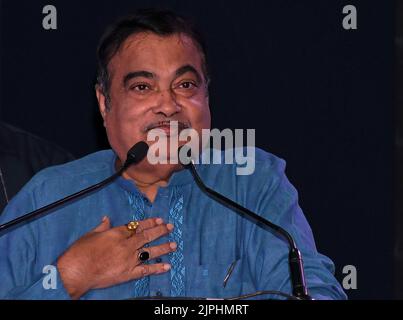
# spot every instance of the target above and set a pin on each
(149, 187)
(149, 178)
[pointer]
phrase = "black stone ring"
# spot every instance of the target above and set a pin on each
(143, 256)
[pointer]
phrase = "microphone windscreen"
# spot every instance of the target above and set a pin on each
(136, 153)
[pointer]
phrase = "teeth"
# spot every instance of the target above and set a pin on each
(168, 123)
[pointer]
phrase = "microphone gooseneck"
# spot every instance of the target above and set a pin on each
(295, 258)
(134, 156)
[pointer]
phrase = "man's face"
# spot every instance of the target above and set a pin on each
(154, 80)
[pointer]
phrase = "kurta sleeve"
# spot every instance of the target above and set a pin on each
(21, 276)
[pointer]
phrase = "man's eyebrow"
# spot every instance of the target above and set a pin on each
(188, 68)
(135, 74)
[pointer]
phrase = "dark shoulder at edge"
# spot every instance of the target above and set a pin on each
(17, 142)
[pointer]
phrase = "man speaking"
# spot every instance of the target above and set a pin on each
(153, 232)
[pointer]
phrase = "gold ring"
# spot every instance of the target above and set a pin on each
(132, 225)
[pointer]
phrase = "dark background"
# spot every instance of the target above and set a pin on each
(319, 96)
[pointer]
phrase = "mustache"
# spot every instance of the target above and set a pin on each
(153, 125)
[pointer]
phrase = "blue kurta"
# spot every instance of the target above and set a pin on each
(210, 237)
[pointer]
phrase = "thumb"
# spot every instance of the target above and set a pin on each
(104, 225)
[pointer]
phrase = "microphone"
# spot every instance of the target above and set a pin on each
(134, 156)
(294, 258)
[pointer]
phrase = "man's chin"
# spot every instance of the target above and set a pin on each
(159, 167)
(150, 173)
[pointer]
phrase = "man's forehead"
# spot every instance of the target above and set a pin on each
(144, 40)
(149, 49)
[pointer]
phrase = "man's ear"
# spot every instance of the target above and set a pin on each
(101, 101)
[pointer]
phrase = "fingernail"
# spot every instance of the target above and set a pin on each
(159, 221)
(166, 267)
(104, 218)
(173, 245)
(170, 226)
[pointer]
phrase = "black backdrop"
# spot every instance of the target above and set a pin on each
(318, 96)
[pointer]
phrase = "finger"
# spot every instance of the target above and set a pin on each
(149, 223)
(160, 250)
(144, 270)
(143, 225)
(104, 225)
(140, 239)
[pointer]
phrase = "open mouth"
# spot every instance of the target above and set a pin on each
(169, 127)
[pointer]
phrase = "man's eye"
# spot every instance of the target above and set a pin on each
(140, 87)
(187, 85)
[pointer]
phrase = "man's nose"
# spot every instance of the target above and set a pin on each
(167, 104)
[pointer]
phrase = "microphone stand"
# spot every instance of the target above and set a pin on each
(295, 258)
(134, 155)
